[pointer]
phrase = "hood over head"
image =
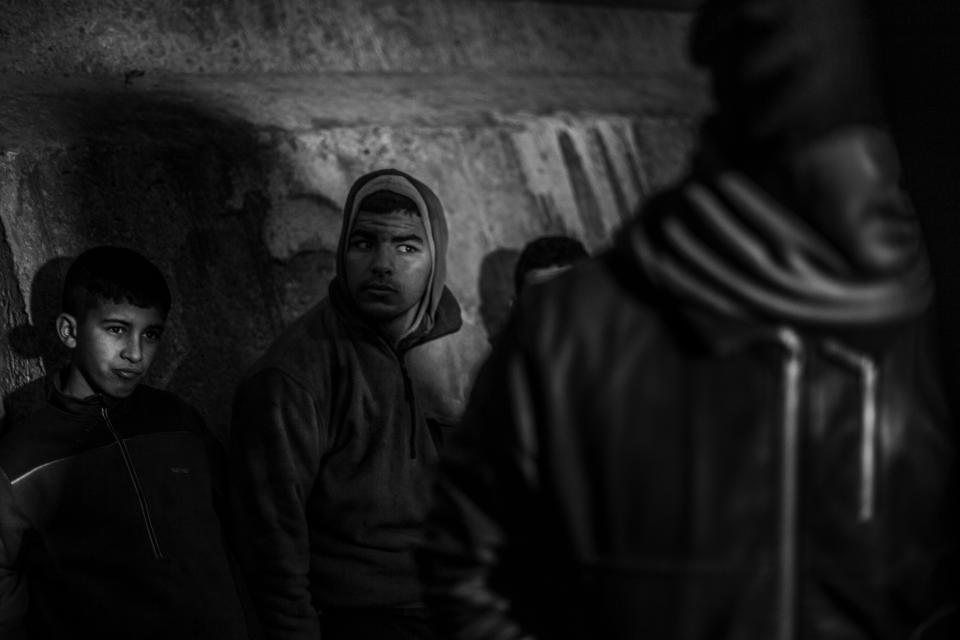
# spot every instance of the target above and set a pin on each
(435, 226)
(793, 210)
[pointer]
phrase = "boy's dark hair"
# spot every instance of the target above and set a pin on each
(548, 251)
(117, 275)
(384, 201)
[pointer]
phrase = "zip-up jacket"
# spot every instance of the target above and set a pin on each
(620, 475)
(722, 429)
(331, 455)
(109, 525)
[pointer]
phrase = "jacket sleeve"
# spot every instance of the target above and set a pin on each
(216, 456)
(13, 587)
(274, 454)
(484, 499)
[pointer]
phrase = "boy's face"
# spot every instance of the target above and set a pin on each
(113, 346)
(387, 264)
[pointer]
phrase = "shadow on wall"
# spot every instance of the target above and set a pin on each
(38, 340)
(186, 188)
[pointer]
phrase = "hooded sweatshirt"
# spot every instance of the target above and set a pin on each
(331, 452)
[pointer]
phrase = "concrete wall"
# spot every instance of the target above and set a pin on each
(228, 164)
(308, 36)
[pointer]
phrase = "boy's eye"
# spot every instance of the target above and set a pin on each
(116, 330)
(152, 335)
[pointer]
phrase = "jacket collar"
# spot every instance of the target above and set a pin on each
(90, 406)
(446, 318)
(722, 243)
(723, 334)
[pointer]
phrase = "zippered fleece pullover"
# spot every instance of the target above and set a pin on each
(331, 451)
(108, 523)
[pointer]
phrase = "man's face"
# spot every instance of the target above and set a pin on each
(387, 265)
(113, 346)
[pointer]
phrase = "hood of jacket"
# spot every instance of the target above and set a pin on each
(722, 242)
(794, 212)
(437, 312)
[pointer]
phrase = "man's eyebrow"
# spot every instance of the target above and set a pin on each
(407, 238)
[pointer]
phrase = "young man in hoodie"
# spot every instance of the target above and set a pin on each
(331, 446)
(730, 425)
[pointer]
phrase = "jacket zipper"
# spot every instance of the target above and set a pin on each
(137, 487)
(868, 424)
(408, 393)
(789, 482)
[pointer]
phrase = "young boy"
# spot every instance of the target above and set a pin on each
(108, 504)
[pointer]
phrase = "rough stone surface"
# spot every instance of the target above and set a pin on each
(244, 36)
(233, 183)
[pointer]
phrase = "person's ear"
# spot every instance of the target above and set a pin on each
(67, 330)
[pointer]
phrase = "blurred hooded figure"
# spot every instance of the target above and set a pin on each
(331, 445)
(729, 426)
(544, 258)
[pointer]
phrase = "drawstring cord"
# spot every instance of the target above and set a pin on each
(868, 422)
(790, 452)
(789, 480)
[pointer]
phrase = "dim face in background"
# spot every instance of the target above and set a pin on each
(387, 263)
(536, 276)
(113, 346)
